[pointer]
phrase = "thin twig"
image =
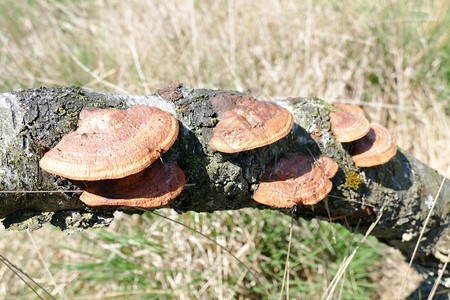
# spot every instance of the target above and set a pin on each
(41, 258)
(41, 192)
(438, 280)
(213, 241)
(286, 268)
(17, 271)
(330, 290)
(61, 191)
(346, 254)
(405, 277)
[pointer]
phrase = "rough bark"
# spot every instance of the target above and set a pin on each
(33, 121)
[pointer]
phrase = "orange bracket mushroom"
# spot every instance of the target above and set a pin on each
(119, 145)
(349, 108)
(376, 148)
(292, 180)
(348, 126)
(154, 187)
(328, 166)
(112, 143)
(248, 124)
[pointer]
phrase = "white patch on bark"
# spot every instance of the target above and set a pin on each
(149, 100)
(11, 116)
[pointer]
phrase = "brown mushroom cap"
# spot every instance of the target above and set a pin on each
(292, 180)
(349, 108)
(112, 143)
(348, 126)
(154, 187)
(249, 125)
(376, 148)
(328, 166)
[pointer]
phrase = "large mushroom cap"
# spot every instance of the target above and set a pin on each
(151, 188)
(292, 180)
(377, 147)
(348, 126)
(112, 143)
(249, 125)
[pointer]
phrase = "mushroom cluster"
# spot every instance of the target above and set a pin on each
(373, 144)
(115, 152)
(245, 124)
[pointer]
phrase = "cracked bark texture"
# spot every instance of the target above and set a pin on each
(33, 121)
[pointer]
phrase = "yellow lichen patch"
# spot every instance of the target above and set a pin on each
(353, 180)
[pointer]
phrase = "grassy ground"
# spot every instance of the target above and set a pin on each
(391, 57)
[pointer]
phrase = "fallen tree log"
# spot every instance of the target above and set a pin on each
(33, 121)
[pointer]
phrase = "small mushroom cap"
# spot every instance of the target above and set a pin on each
(249, 125)
(348, 126)
(376, 148)
(112, 143)
(328, 166)
(349, 108)
(154, 187)
(292, 180)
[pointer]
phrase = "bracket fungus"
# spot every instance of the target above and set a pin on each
(246, 123)
(292, 180)
(349, 108)
(348, 126)
(112, 143)
(377, 147)
(113, 149)
(328, 166)
(151, 188)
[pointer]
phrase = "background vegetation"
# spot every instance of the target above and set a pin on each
(391, 57)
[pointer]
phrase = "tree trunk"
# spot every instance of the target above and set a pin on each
(33, 121)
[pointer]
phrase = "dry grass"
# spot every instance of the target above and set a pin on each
(391, 57)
